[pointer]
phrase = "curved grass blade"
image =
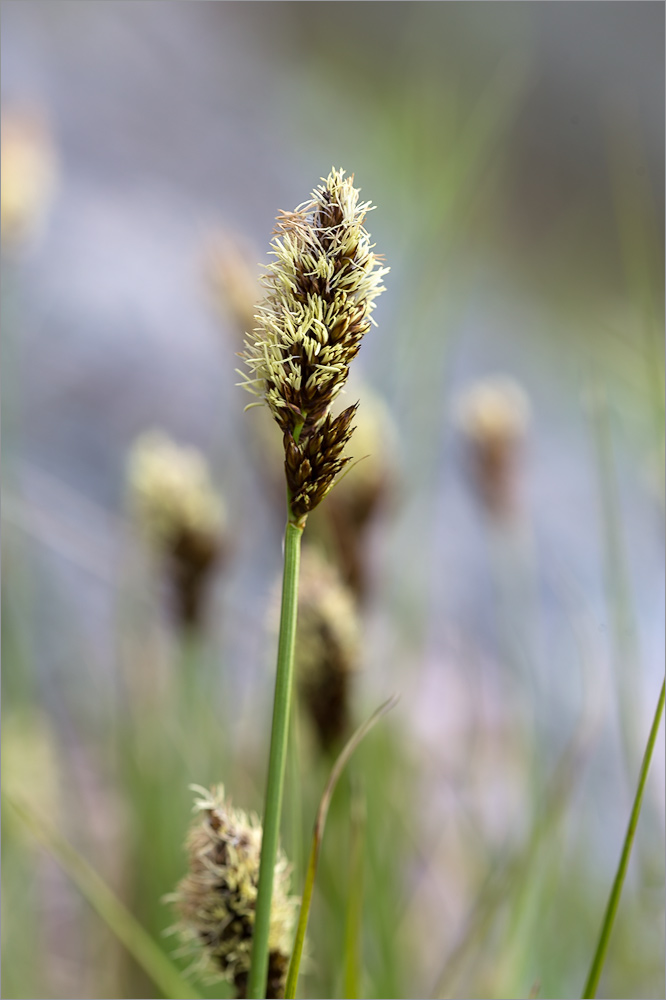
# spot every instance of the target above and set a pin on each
(614, 899)
(320, 823)
(118, 919)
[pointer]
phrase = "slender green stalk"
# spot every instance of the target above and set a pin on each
(626, 654)
(277, 760)
(616, 890)
(295, 792)
(306, 900)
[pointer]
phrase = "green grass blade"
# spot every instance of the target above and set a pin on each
(317, 836)
(353, 922)
(625, 649)
(613, 900)
(106, 904)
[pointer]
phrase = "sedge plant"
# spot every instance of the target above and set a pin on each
(320, 292)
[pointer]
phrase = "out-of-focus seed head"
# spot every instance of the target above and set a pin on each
(368, 488)
(171, 489)
(320, 294)
(29, 169)
(233, 280)
(373, 448)
(493, 415)
(180, 514)
(217, 898)
(327, 647)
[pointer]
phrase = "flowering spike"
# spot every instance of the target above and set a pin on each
(216, 900)
(321, 288)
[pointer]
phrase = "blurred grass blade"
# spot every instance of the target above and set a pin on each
(616, 890)
(317, 836)
(625, 649)
(509, 876)
(640, 247)
(117, 918)
(352, 958)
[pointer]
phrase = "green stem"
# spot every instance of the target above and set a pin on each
(276, 762)
(614, 898)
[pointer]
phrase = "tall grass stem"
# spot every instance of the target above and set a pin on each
(616, 890)
(277, 760)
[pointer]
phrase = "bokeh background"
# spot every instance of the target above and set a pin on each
(515, 153)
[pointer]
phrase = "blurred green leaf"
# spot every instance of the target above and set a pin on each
(119, 920)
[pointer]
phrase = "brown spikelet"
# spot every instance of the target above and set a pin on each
(313, 464)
